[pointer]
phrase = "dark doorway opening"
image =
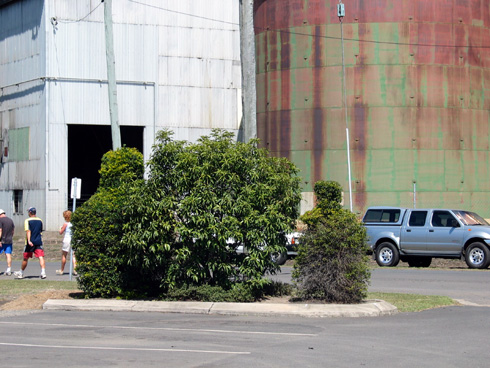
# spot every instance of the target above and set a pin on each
(86, 146)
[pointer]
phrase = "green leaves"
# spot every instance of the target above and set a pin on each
(123, 165)
(222, 192)
(329, 197)
(182, 226)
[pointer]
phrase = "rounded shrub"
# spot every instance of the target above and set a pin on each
(98, 226)
(332, 262)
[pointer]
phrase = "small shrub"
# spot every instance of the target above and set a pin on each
(332, 262)
(121, 166)
(239, 292)
(328, 198)
(278, 288)
(210, 293)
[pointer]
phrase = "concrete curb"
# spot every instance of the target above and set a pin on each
(371, 308)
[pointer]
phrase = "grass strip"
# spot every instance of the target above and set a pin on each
(414, 302)
(404, 302)
(10, 288)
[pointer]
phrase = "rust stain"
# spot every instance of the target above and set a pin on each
(422, 93)
(285, 50)
(358, 134)
(318, 118)
(273, 52)
(285, 133)
(285, 122)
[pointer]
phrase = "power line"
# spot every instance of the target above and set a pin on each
(81, 19)
(372, 41)
(183, 13)
(286, 31)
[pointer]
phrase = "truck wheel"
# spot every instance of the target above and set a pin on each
(279, 258)
(419, 261)
(387, 255)
(477, 256)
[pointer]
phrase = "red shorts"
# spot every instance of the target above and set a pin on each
(37, 252)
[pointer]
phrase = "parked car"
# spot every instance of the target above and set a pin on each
(292, 240)
(291, 248)
(416, 236)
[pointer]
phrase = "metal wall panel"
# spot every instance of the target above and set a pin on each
(21, 53)
(417, 97)
(189, 53)
(22, 97)
(84, 102)
(177, 66)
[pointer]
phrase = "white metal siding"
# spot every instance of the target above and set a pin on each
(177, 66)
(189, 53)
(22, 101)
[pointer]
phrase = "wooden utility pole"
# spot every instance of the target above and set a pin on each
(247, 56)
(111, 75)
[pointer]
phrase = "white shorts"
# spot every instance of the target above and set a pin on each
(66, 246)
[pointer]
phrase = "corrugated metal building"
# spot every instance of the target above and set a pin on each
(417, 97)
(177, 66)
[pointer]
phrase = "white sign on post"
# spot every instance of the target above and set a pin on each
(76, 191)
(76, 188)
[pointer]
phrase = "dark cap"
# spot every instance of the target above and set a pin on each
(32, 210)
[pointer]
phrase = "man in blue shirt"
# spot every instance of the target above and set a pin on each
(34, 243)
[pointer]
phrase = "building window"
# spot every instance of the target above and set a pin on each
(18, 144)
(18, 201)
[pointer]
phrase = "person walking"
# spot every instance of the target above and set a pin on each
(66, 247)
(34, 243)
(7, 229)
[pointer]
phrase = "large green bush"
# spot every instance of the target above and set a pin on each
(181, 228)
(332, 262)
(201, 202)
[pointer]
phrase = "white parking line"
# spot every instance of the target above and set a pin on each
(126, 349)
(160, 328)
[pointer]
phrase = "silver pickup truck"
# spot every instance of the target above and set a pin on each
(417, 235)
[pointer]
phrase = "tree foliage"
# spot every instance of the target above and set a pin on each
(122, 166)
(329, 197)
(202, 201)
(184, 224)
(332, 261)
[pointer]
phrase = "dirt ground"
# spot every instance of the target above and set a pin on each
(36, 301)
(436, 263)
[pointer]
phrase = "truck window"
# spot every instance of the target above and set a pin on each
(442, 219)
(470, 218)
(382, 215)
(417, 218)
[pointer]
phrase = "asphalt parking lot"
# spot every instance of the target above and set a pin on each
(445, 337)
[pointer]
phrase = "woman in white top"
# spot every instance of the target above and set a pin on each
(65, 249)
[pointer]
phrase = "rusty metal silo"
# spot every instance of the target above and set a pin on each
(417, 97)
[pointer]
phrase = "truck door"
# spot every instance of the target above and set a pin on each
(445, 234)
(414, 233)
